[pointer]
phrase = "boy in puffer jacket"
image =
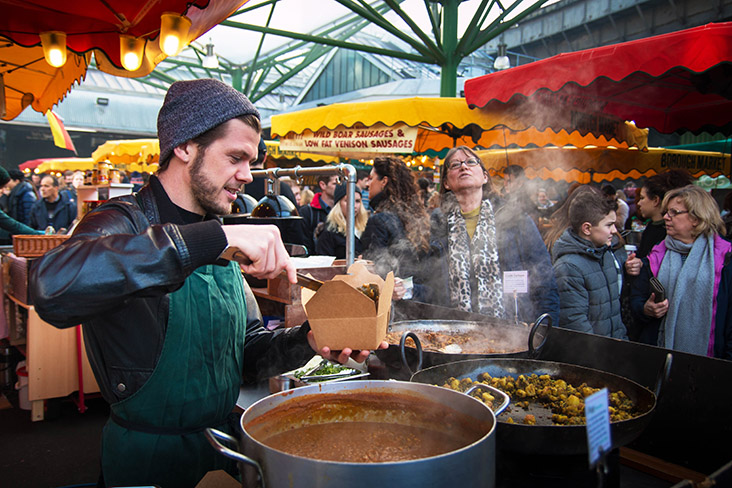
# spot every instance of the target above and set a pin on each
(587, 271)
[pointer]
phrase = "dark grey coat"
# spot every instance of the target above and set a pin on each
(589, 295)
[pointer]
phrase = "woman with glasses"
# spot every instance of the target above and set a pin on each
(491, 258)
(396, 237)
(688, 263)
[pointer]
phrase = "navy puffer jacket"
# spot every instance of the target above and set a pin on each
(588, 281)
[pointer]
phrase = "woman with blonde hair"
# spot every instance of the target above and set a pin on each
(332, 240)
(688, 263)
(306, 196)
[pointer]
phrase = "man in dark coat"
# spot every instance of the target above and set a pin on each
(54, 209)
(22, 197)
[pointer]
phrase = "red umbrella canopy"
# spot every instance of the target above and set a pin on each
(672, 82)
(96, 25)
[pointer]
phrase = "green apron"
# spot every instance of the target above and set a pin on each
(155, 436)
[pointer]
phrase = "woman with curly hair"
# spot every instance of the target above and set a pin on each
(397, 234)
(481, 244)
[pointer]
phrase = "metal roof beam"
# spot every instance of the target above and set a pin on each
(304, 64)
(490, 32)
(433, 11)
(473, 28)
(415, 28)
(329, 41)
(259, 50)
(368, 13)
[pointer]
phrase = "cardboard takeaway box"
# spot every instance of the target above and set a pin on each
(341, 316)
(218, 479)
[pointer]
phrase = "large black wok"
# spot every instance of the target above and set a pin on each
(554, 439)
(507, 340)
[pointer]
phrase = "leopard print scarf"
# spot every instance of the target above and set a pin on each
(475, 260)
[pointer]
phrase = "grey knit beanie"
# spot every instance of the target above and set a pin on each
(194, 107)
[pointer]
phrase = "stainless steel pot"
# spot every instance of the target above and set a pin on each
(507, 339)
(470, 466)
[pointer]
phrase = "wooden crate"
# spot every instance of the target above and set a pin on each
(35, 246)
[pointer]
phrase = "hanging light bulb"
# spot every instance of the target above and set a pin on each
(54, 47)
(502, 62)
(210, 61)
(173, 32)
(131, 50)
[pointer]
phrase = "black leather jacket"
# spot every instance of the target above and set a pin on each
(114, 275)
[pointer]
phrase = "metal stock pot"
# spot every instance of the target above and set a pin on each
(472, 465)
(488, 338)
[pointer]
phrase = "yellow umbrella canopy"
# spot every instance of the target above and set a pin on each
(144, 154)
(597, 164)
(130, 154)
(417, 125)
(54, 165)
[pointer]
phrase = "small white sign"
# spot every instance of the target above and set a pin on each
(598, 425)
(515, 281)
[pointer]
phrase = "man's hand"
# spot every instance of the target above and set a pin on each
(262, 253)
(343, 355)
(653, 309)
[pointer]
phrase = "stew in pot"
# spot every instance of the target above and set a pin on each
(564, 404)
(372, 428)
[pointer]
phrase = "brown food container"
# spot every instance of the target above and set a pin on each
(341, 316)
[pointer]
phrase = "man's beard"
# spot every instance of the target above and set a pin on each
(204, 191)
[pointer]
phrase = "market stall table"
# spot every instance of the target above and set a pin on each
(682, 440)
(56, 359)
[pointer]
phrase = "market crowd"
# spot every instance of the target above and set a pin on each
(589, 256)
(171, 328)
(44, 203)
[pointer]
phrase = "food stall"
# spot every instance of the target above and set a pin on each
(598, 164)
(680, 437)
(418, 125)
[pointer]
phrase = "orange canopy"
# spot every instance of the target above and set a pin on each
(599, 164)
(92, 26)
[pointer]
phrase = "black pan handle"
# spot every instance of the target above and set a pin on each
(403, 353)
(534, 351)
(663, 376)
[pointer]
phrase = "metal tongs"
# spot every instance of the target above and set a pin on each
(308, 282)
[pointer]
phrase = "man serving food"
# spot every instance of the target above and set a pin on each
(169, 324)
